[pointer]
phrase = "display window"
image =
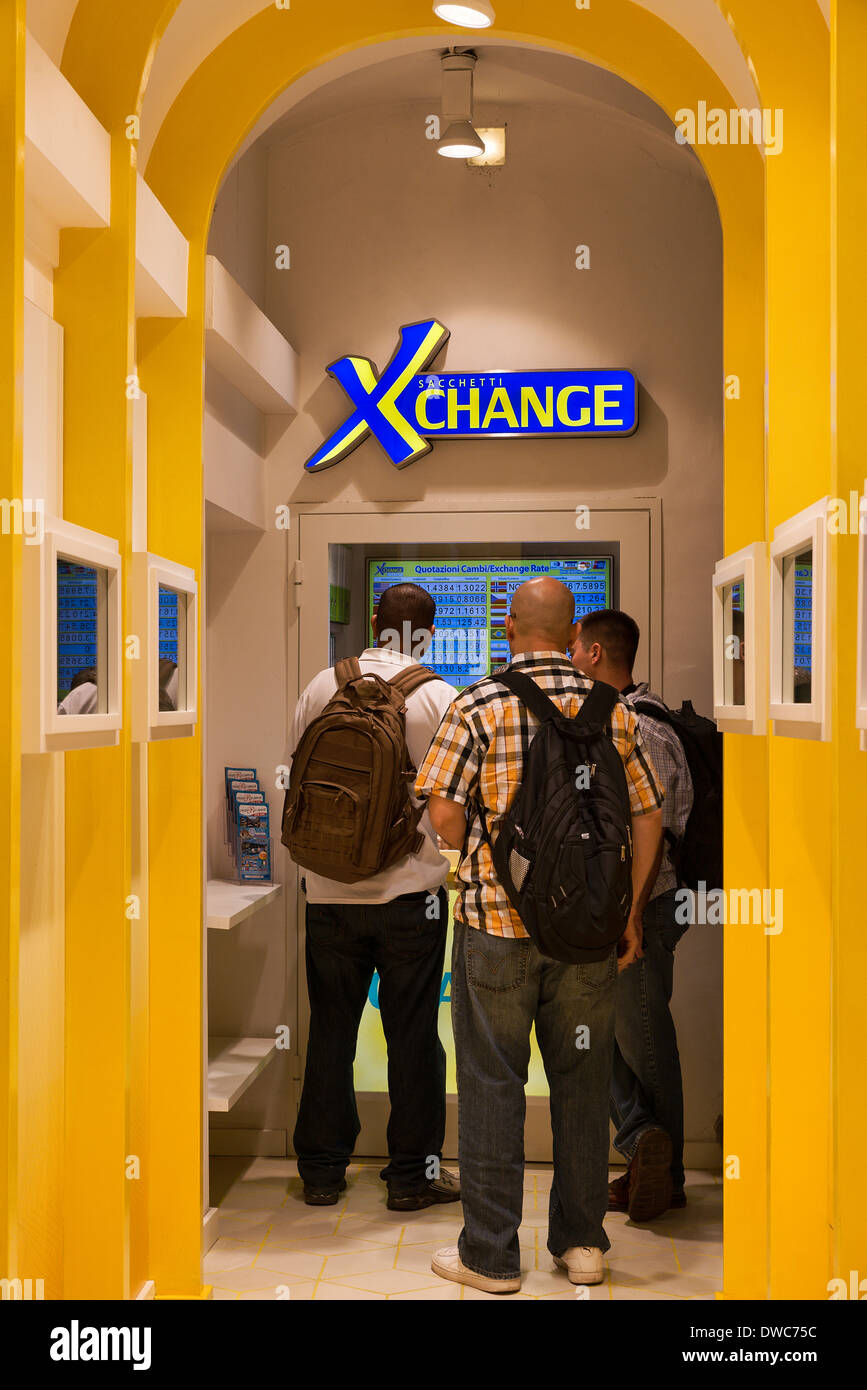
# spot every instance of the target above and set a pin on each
(861, 696)
(800, 706)
(81, 638)
(72, 641)
(740, 641)
(165, 604)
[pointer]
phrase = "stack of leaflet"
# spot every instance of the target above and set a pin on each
(248, 830)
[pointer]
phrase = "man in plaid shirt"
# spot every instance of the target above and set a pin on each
(646, 1084)
(502, 985)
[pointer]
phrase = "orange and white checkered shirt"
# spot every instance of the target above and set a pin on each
(478, 754)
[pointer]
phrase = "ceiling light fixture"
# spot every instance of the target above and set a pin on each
(459, 140)
(475, 14)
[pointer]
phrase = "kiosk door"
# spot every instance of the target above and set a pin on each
(613, 560)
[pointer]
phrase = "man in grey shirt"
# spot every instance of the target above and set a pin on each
(646, 1084)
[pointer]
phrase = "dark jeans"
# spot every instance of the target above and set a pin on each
(345, 944)
(646, 1084)
(500, 987)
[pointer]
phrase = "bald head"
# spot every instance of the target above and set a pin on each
(541, 617)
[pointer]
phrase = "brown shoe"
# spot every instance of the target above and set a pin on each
(323, 1196)
(650, 1176)
(618, 1193)
(678, 1200)
(445, 1188)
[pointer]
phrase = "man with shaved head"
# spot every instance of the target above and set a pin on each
(502, 985)
(542, 608)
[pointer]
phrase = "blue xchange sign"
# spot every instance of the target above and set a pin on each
(408, 406)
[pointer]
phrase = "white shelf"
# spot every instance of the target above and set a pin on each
(234, 474)
(161, 259)
(228, 903)
(233, 1065)
(67, 179)
(67, 163)
(245, 346)
(210, 1228)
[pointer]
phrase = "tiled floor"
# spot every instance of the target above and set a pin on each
(274, 1246)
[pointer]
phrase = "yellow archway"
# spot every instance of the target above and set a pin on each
(631, 41)
(777, 322)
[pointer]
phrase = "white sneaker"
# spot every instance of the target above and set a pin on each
(448, 1264)
(583, 1264)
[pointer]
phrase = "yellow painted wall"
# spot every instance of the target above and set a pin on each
(42, 1012)
(745, 759)
(185, 171)
(792, 1002)
(848, 1213)
(791, 63)
(93, 299)
(110, 951)
(170, 360)
(11, 424)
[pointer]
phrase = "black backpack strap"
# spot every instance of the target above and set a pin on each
(596, 708)
(529, 693)
(662, 713)
(537, 702)
(598, 705)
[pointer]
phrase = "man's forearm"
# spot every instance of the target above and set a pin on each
(449, 820)
(646, 857)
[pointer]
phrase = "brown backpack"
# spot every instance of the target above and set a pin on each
(347, 814)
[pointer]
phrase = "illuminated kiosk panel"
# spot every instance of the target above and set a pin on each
(165, 597)
(80, 644)
(800, 703)
(802, 627)
(472, 599)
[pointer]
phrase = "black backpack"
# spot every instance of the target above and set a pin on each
(564, 850)
(697, 856)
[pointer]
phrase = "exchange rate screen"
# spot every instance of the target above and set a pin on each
(472, 600)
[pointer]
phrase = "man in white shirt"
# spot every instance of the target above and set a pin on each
(395, 923)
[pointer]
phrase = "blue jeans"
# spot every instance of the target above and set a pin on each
(646, 1084)
(346, 942)
(500, 987)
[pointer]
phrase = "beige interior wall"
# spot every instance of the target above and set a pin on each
(383, 232)
(251, 969)
(240, 226)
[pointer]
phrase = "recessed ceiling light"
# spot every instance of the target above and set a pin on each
(474, 14)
